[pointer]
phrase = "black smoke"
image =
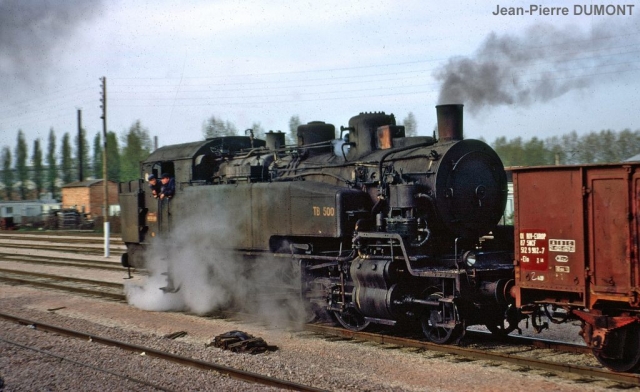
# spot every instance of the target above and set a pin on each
(34, 33)
(541, 64)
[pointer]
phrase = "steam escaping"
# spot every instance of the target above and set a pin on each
(32, 32)
(542, 64)
(197, 258)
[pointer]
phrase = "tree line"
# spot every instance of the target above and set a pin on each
(29, 173)
(606, 146)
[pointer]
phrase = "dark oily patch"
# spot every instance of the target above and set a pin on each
(241, 342)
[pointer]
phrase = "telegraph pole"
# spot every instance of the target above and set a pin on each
(105, 181)
(80, 147)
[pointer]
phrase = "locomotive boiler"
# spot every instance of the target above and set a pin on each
(382, 228)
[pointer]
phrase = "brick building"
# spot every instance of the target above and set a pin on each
(88, 196)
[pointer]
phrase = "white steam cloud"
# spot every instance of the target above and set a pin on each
(210, 276)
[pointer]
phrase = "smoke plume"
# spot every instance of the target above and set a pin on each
(541, 64)
(32, 33)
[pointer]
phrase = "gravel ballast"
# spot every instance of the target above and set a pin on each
(302, 357)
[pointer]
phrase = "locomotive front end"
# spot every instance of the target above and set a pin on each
(434, 251)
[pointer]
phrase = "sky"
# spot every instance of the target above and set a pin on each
(174, 64)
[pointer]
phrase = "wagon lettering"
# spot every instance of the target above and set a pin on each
(533, 249)
(557, 245)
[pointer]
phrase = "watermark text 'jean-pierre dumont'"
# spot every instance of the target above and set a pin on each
(576, 9)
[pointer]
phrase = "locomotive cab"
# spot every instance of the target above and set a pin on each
(143, 216)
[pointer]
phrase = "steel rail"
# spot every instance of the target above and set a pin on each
(65, 262)
(628, 378)
(99, 293)
(60, 248)
(77, 363)
(58, 239)
(63, 278)
(148, 351)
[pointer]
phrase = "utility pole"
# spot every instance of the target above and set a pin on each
(80, 152)
(105, 180)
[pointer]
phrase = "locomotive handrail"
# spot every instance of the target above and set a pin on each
(348, 182)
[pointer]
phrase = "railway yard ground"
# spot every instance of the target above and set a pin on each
(35, 358)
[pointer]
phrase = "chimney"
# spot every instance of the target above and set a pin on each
(449, 122)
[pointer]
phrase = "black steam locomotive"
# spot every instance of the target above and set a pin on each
(382, 228)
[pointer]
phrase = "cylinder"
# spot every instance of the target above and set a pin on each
(449, 122)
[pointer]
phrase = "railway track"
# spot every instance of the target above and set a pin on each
(90, 245)
(61, 237)
(524, 352)
(149, 351)
(89, 249)
(61, 261)
(102, 289)
(520, 354)
(517, 351)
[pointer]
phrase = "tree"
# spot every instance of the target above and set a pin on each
(21, 165)
(7, 173)
(216, 127)
(113, 157)
(81, 140)
(38, 175)
(510, 152)
(410, 125)
(535, 154)
(588, 147)
(608, 151)
(97, 156)
(294, 122)
(137, 146)
(628, 143)
(52, 171)
(65, 160)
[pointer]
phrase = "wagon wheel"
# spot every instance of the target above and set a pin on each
(442, 324)
(623, 351)
(351, 319)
